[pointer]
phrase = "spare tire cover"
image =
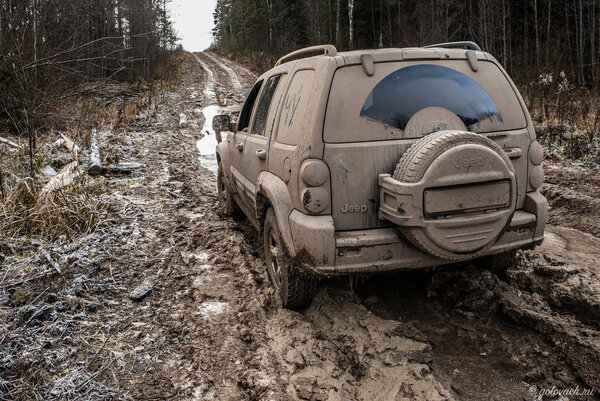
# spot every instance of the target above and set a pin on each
(469, 192)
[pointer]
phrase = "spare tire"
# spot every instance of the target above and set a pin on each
(466, 187)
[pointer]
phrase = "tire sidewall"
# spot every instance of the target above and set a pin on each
(413, 166)
(271, 226)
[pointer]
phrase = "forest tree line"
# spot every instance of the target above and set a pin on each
(52, 49)
(529, 37)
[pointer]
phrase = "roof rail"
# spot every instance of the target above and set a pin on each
(457, 45)
(328, 50)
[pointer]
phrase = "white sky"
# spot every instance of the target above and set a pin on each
(193, 20)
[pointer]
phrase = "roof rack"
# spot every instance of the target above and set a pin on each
(457, 45)
(327, 50)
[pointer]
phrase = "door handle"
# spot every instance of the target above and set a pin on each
(239, 146)
(261, 154)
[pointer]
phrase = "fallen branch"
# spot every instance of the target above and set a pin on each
(71, 147)
(64, 178)
(95, 167)
(9, 143)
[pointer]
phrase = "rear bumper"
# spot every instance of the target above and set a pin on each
(322, 249)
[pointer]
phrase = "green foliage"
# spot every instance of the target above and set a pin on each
(565, 38)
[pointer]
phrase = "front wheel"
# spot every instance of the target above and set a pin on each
(295, 288)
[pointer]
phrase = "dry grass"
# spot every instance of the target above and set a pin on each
(567, 118)
(64, 213)
(79, 208)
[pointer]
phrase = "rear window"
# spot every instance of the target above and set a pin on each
(363, 108)
(403, 93)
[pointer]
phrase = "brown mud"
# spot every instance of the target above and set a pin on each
(572, 194)
(210, 327)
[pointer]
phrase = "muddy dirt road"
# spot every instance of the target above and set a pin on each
(209, 327)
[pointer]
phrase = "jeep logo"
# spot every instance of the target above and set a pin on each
(468, 163)
(354, 209)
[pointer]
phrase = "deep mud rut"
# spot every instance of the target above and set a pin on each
(211, 328)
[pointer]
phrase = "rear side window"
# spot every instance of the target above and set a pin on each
(297, 107)
(403, 93)
(264, 104)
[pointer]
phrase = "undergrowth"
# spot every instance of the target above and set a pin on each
(566, 117)
(27, 212)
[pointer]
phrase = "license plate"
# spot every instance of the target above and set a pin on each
(467, 198)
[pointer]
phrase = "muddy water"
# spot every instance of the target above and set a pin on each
(206, 146)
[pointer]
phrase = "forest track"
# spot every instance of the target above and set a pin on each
(442, 332)
(211, 328)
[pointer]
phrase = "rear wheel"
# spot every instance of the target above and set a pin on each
(295, 288)
(227, 205)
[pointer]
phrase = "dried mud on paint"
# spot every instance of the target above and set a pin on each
(208, 325)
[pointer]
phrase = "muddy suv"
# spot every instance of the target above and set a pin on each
(379, 160)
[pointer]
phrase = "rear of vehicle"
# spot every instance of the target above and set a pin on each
(432, 158)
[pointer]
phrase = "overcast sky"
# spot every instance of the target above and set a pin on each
(193, 22)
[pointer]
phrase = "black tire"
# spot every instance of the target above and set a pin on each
(295, 288)
(497, 263)
(227, 205)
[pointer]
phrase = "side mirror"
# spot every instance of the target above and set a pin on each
(221, 123)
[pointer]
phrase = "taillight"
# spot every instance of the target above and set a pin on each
(314, 176)
(536, 172)
(536, 153)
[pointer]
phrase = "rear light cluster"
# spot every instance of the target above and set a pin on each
(314, 176)
(536, 172)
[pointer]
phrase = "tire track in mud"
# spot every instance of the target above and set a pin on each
(212, 329)
(321, 353)
(432, 335)
(209, 87)
(202, 326)
(235, 80)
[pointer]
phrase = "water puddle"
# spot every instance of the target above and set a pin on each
(570, 241)
(206, 146)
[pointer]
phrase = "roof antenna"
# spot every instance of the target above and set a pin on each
(381, 24)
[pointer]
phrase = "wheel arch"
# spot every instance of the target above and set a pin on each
(272, 192)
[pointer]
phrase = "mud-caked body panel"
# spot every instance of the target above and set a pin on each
(326, 157)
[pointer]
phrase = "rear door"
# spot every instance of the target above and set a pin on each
(372, 120)
(242, 185)
(256, 147)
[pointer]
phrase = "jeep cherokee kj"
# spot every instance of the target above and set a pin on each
(372, 161)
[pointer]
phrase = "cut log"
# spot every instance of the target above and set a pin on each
(64, 178)
(95, 167)
(9, 143)
(71, 147)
